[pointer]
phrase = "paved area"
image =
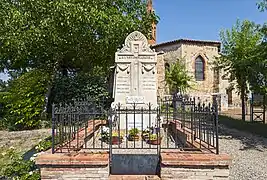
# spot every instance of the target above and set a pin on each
(236, 113)
(249, 153)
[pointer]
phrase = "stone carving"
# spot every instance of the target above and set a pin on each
(123, 67)
(135, 36)
(148, 67)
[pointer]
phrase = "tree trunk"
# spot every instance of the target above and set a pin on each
(243, 104)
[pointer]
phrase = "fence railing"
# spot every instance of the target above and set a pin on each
(196, 123)
(174, 123)
(75, 126)
(135, 126)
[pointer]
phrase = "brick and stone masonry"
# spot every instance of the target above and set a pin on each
(74, 166)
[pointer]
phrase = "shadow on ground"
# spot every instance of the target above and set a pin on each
(248, 139)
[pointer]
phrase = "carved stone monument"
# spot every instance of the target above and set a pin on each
(135, 79)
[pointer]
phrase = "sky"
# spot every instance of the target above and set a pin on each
(200, 19)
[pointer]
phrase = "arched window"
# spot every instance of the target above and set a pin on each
(200, 69)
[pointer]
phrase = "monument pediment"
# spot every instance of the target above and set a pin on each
(136, 42)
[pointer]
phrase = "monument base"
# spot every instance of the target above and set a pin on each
(140, 116)
(138, 120)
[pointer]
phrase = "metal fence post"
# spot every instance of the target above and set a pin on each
(264, 108)
(216, 124)
(53, 128)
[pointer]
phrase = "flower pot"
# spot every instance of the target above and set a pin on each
(154, 141)
(134, 138)
(116, 140)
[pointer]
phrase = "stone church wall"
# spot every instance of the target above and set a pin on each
(189, 52)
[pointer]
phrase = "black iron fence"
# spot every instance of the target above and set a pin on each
(75, 126)
(193, 125)
(258, 108)
(174, 123)
(135, 126)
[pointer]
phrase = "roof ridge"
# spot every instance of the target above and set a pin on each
(187, 40)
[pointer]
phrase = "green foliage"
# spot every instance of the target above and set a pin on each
(116, 134)
(57, 37)
(44, 144)
(81, 85)
(133, 132)
(67, 34)
(262, 5)
(25, 100)
(3, 86)
(177, 77)
(154, 137)
(14, 167)
(239, 46)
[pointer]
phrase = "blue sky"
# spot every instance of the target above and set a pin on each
(200, 19)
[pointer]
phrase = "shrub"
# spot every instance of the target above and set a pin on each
(16, 168)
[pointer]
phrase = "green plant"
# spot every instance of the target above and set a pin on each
(44, 144)
(177, 77)
(116, 134)
(153, 137)
(17, 168)
(146, 131)
(133, 132)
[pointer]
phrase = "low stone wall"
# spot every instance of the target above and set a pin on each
(82, 166)
(198, 166)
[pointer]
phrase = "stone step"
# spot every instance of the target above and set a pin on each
(134, 177)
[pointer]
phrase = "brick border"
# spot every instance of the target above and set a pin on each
(72, 144)
(195, 160)
(82, 159)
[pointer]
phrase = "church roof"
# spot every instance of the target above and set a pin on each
(214, 43)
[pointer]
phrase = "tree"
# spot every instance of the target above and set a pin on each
(258, 73)
(177, 77)
(262, 5)
(68, 34)
(25, 99)
(64, 40)
(239, 46)
(258, 78)
(2, 85)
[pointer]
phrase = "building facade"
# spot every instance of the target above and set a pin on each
(199, 57)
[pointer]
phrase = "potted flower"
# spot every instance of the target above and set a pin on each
(115, 139)
(154, 139)
(134, 134)
(145, 134)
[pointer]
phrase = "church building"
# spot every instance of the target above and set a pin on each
(198, 56)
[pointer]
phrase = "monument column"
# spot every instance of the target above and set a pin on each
(135, 81)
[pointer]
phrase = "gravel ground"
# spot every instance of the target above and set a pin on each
(249, 153)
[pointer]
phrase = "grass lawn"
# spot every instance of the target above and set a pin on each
(252, 127)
